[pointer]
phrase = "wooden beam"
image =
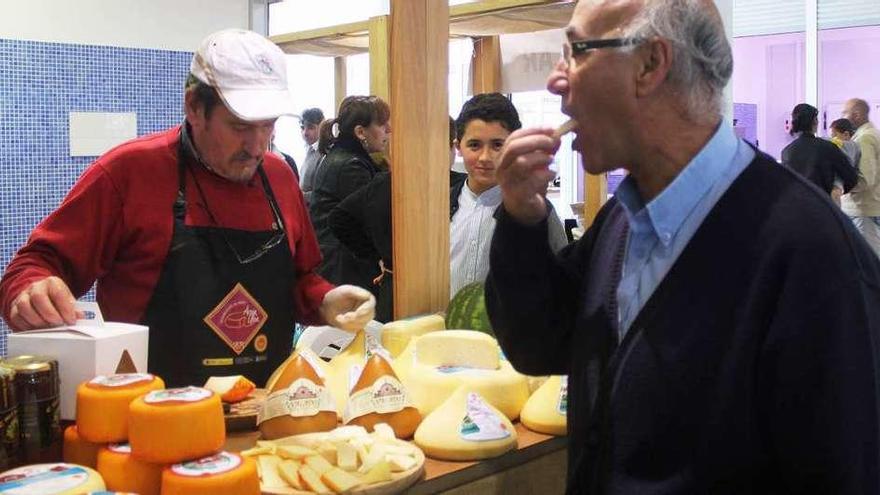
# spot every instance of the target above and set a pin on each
(380, 50)
(324, 32)
(491, 6)
(420, 154)
(340, 80)
(487, 65)
(595, 194)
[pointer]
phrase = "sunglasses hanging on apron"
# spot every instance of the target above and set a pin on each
(223, 304)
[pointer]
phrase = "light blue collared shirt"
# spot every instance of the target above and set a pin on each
(660, 230)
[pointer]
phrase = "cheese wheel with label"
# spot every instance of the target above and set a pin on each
(122, 472)
(465, 428)
(379, 397)
(50, 479)
(397, 334)
(102, 404)
(221, 474)
(545, 411)
(177, 424)
(79, 451)
(298, 402)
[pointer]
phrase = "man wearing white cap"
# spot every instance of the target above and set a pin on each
(197, 232)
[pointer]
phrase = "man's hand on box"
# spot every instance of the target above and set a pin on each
(45, 303)
(348, 307)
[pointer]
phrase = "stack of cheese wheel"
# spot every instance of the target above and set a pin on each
(102, 413)
(545, 411)
(465, 428)
(297, 402)
(176, 425)
(51, 479)
(223, 473)
(124, 472)
(435, 364)
(397, 334)
(379, 397)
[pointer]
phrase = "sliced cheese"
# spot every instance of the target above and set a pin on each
(268, 469)
(289, 471)
(545, 411)
(102, 404)
(122, 472)
(339, 481)
(466, 348)
(465, 428)
(312, 480)
(51, 479)
(230, 388)
(224, 473)
(79, 451)
(397, 334)
(379, 473)
(175, 425)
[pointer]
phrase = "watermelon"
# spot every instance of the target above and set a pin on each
(467, 310)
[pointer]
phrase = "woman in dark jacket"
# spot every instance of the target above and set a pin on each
(818, 160)
(361, 127)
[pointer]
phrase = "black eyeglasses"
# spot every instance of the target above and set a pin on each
(573, 49)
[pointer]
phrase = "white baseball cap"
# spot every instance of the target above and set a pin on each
(248, 71)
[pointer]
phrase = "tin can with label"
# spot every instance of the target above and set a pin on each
(36, 385)
(9, 432)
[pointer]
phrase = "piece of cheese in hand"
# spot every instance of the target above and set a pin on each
(465, 428)
(102, 404)
(79, 451)
(466, 348)
(175, 425)
(545, 411)
(231, 389)
(123, 473)
(298, 401)
(220, 474)
(397, 334)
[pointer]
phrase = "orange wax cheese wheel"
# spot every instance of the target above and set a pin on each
(79, 451)
(102, 404)
(221, 474)
(122, 472)
(379, 397)
(298, 401)
(177, 424)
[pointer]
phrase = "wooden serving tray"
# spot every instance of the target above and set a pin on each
(398, 482)
(242, 416)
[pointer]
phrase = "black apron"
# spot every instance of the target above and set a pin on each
(223, 303)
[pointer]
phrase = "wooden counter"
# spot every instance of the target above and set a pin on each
(537, 466)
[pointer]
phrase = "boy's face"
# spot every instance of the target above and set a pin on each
(479, 147)
(843, 136)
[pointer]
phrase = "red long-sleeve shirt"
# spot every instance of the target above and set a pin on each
(115, 227)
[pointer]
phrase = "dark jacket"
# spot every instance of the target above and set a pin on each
(752, 369)
(345, 169)
(456, 182)
(819, 161)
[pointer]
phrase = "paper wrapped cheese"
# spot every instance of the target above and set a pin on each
(545, 411)
(465, 428)
(298, 401)
(379, 397)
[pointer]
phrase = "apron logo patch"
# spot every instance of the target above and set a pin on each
(237, 318)
(261, 342)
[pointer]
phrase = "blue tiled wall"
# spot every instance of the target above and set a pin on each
(40, 83)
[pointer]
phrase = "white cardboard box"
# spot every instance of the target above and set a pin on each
(84, 351)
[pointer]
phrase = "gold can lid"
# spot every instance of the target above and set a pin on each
(29, 364)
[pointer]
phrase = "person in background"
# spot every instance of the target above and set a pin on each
(284, 156)
(719, 321)
(455, 178)
(817, 160)
(482, 126)
(198, 232)
(360, 128)
(862, 204)
(310, 123)
(841, 135)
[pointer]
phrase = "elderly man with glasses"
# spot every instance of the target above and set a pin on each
(718, 322)
(197, 231)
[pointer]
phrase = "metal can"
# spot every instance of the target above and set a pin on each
(37, 386)
(9, 431)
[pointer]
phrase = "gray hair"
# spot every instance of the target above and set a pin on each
(702, 62)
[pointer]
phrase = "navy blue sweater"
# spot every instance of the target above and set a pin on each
(751, 369)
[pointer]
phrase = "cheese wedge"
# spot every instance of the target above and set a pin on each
(298, 401)
(465, 428)
(545, 411)
(397, 334)
(231, 389)
(380, 397)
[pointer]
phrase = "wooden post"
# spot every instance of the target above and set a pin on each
(380, 51)
(420, 155)
(595, 192)
(486, 65)
(340, 80)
